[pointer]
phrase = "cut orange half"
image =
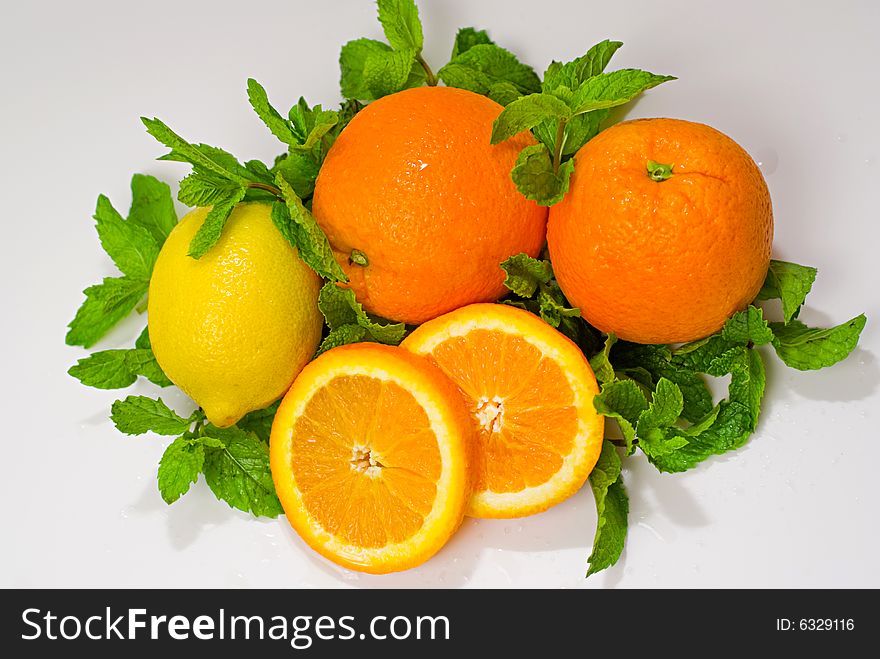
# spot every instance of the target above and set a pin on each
(369, 454)
(530, 392)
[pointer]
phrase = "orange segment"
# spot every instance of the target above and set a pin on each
(530, 392)
(369, 453)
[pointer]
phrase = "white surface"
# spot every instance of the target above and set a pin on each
(793, 82)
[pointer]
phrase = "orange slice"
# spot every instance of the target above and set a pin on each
(369, 454)
(530, 393)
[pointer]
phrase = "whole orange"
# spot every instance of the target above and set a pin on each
(419, 206)
(661, 254)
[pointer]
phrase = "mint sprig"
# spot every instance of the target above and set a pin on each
(564, 114)
(349, 323)
(133, 244)
(612, 508)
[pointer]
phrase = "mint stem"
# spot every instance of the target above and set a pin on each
(264, 186)
(560, 143)
(432, 79)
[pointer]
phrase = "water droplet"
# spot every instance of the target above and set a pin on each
(841, 138)
(767, 159)
(506, 530)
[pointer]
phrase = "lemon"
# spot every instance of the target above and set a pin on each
(235, 327)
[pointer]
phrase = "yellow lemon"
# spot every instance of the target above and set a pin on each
(235, 327)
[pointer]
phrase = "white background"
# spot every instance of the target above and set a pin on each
(794, 82)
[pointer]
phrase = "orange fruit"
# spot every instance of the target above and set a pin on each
(666, 260)
(369, 454)
(419, 206)
(530, 393)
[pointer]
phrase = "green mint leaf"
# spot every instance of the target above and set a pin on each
(664, 409)
(200, 189)
(594, 61)
(525, 274)
(789, 282)
(131, 246)
(152, 206)
(277, 125)
(299, 227)
(608, 90)
(238, 472)
(658, 362)
(300, 170)
(601, 361)
(311, 124)
(207, 158)
(142, 361)
(504, 93)
(105, 305)
(747, 382)
(179, 468)
(388, 72)
(536, 178)
(143, 340)
(552, 307)
(259, 422)
(572, 74)
(352, 61)
(623, 401)
(612, 508)
(104, 370)
(747, 327)
(209, 233)
(526, 112)
(807, 348)
(137, 415)
(467, 38)
(401, 24)
(341, 309)
(484, 66)
(260, 172)
(343, 335)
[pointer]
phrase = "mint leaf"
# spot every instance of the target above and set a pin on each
(789, 282)
(608, 90)
(572, 74)
(807, 348)
(259, 422)
(179, 468)
(300, 170)
(623, 401)
(537, 179)
(503, 93)
(104, 370)
(137, 415)
(343, 335)
(298, 226)
(552, 306)
(747, 327)
(525, 274)
(484, 66)
(152, 206)
(115, 369)
(467, 38)
(526, 112)
(747, 382)
(310, 124)
(612, 508)
(131, 246)
(238, 472)
(342, 310)
(388, 72)
(209, 233)
(200, 189)
(601, 361)
(211, 160)
(142, 361)
(105, 305)
(277, 125)
(401, 24)
(665, 407)
(143, 340)
(352, 61)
